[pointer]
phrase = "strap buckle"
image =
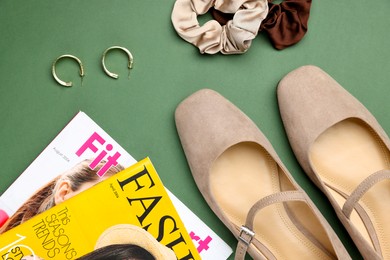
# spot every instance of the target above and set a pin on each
(246, 235)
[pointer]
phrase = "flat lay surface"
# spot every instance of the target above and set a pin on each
(346, 39)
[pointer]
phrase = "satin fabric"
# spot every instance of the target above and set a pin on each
(286, 23)
(234, 37)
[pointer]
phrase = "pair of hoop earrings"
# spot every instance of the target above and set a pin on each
(82, 73)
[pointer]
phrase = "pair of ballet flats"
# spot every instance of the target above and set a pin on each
(338, 143)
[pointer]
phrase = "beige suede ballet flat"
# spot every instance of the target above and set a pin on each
(345, 152)
(244, 182)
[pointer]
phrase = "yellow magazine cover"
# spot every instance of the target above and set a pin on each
(130, 208)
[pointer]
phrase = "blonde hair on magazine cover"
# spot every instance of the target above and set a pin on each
(61, 188)
(134, 235)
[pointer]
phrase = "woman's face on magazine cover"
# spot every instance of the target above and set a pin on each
(65, 191)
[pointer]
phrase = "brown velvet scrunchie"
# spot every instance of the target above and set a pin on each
(285, 24)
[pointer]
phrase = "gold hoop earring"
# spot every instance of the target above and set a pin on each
(61, 82)
(130, 64)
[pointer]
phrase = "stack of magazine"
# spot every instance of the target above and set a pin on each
(124, 203)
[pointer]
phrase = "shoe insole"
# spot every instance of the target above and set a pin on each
(245, 173)
(343, 156)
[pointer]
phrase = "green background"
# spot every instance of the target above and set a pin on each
(347, 39)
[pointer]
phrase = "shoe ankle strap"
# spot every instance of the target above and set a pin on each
(362, 188)
(247, 234)
(351, 204)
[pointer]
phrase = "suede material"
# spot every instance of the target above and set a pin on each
(205, 132)
(207, 125)
(310, 102)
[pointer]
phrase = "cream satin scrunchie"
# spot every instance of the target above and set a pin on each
(233, 38)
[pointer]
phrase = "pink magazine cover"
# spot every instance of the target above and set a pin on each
(83, 139)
